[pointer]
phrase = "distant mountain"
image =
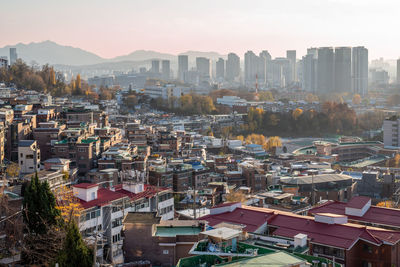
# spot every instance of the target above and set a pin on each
(210, 55)
(49, 52)
(142, 55)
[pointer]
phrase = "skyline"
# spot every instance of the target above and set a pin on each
(114, 29)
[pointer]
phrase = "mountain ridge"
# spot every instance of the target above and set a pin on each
(49, 52)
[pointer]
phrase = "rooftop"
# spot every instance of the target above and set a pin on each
(375, 215)
(276, 259)
(164, 231)
(104, 197)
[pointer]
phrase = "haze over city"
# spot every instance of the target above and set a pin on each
(208, 133)
(114, 28)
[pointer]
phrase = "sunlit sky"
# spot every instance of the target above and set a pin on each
(118, 27)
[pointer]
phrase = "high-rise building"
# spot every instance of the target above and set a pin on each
(155, 66)
(13, 55)
(309, 68)
(325, 70)
(232, 67)
(280, 72)
(360, 70)
(220, 69)
(398, 71)
(264, 67)
(166, 70)
(291, 56)
(203, 67)
(183, 66)
(251, 63)
(342, 69)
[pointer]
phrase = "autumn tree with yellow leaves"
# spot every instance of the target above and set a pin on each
(68, 204)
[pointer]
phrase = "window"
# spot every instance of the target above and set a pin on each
(367, 248)
(116, 238)
(81, 149)
(165, 252)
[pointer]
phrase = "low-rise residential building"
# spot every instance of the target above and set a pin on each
(104, 208)
(162, 243)
(28, 156)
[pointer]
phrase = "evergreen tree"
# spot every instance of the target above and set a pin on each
(40, 207)
(75, 252)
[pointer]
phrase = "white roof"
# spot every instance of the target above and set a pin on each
(223, 233)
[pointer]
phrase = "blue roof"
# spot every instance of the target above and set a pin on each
(253, 145)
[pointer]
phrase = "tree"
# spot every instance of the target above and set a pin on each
(272, 143)
(130, 101)
(386, 204)
(68, 205)
(75, 252)
(266, 96)
(356, 99)
(297, 113)
(13, 170)
(236, 196)
(78, 83)
(39, 207)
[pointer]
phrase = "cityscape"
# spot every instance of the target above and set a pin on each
(144, 145)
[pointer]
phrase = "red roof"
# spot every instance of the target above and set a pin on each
(149, 191)
(85, 185)
(336, 235)
(104, 197)
(251, 219)
(358, 202)
(376, 215)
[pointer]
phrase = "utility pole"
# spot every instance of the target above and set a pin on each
(312, 172)
(194, 200)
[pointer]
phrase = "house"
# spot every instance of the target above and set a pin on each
(104, 208)
(359, 210)
(327, 235)
(28, 156)
(162, 243)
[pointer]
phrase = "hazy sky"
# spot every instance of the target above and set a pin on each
(117, 27)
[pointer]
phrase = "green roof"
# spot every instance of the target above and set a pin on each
(62, 142)
(275, 259)
(199, 260)
(88, 141)
(179, 230)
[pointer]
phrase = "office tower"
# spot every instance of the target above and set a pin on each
(220, 69)
(183, 66)
(13, 55)
(398, 71)
(155, 66)
(232, 67)
(166, 70)
(342, 69)
(325, 70)
(291, 56)
(309, 63)
(360, 70)
(203, 68)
